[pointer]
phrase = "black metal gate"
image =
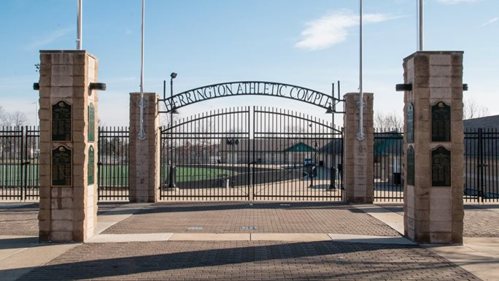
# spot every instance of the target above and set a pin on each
(251, 153)
(388, 159)
(19, 156)
(481, 160)
(113, 163)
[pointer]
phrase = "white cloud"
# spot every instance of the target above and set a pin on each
(56, 34)
(491, 21)
(454, 2)
(332, 29)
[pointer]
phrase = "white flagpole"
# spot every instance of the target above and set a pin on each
(360, 133)
(79, 31)
(420, 25)
(142, 133)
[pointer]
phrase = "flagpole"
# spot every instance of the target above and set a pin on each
(420, 25)
(360, 133)
(142, 133)
(79, 31)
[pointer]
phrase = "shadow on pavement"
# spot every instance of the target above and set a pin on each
(158, 266)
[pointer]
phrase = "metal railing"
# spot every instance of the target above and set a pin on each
(481, 162)
(19, 156)
(113, 164)
(19, 160)
(19, 163)
(387, 169)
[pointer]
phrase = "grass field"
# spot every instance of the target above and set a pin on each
(12, 175)
(109, 175)
(187, 174)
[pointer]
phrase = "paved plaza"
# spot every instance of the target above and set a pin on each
(237, 241)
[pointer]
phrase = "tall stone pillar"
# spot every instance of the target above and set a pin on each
(434, 145)
(68, 146)
(144, 149)
(358, 154)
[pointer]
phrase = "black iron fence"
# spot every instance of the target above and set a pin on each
(388, 156)
(113, 163)
(19, 158)
(481, 160)
(19, 155)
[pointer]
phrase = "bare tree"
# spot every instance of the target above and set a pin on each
(3, 117)
(390, 121)
(473, 110)
(17, 119)
(12, 119)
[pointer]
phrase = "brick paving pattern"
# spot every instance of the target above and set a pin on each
(19, 219)
(246, 260)
(22, 218)
(479, 220)
(261, 217)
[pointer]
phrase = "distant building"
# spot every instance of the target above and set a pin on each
(487, 122)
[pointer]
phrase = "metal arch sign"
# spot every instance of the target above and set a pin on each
(242, 88)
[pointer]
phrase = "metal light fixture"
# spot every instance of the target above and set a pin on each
(97, 86)
(173, 109)
(403, 87)
(330, 109)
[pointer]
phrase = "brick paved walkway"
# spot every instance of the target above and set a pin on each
(261, 217)
(22, 218)
(479, 220)
(19, 219)
(248, 261)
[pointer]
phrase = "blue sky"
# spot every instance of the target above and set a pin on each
(301, 42)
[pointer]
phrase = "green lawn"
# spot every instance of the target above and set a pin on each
(111, 175)
(186, 174)
(12, 175)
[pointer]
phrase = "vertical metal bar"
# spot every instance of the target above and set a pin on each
(494, 160)
(480, 164)
(487, 164)
(360, 134)
(255, 141)
(487, 152)
(420, 25)
(79, 39)
(142, 134)
(466, 164)
(21, 150)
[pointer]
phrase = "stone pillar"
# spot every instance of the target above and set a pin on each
(358, 154)
(144, 153)
(68, 146)
(434, 145)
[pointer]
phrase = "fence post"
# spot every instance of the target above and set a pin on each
(480, 165)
